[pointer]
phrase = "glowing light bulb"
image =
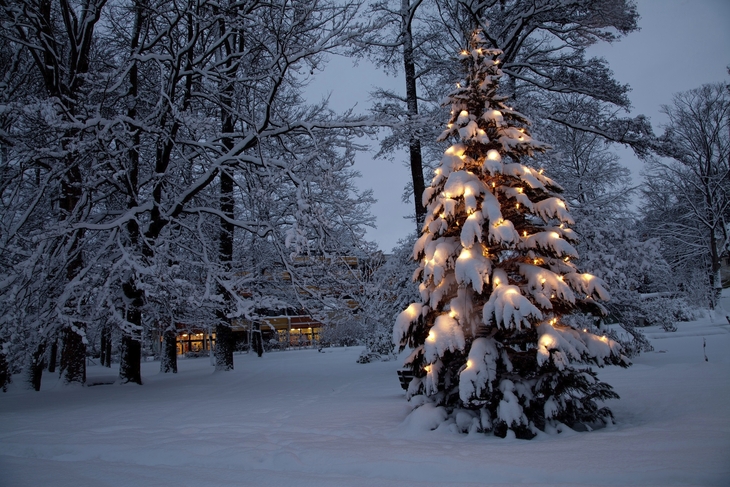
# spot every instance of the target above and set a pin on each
(469, 363)
(524, 233)
(517, 206)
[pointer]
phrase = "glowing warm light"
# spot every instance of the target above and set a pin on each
(463, 113)
(584, 330)
(561, 203)
(464, 52)
(467, 191)
(562, 225)
(553, 321)
(543, 280)
(452, 314)
(449, 125)
(552, 296)
(427, 369)
(566, 259)
(496, 113)
(535, 261)
(560, 278)
(431, 337)
(547, 341)
(493, 155)
(494, 184)
(517, 206)
(524, 233)
(437, 171)
(458, 85)
(520, 138)
(541, 171)
(496, 61)
(519, 190)
(441, 215)
(497, 282)
(555, 234)
(469, 363)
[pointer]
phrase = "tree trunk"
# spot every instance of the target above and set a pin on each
(73, 357)
(53, 356)
(106, 347)
(36, 366)
(224, 334)
(168, 357)
(414, 144)
(5, 376)
(223, 347)
(131, 357)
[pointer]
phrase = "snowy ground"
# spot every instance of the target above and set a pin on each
(303, 418)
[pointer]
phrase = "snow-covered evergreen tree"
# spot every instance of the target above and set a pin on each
(489, 342)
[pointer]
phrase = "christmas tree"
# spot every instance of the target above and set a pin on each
(491, 342)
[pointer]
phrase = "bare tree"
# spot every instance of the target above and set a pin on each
(687, 187)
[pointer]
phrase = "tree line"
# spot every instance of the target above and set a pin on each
(158, 159)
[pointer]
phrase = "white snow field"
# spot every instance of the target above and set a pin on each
(303, 418)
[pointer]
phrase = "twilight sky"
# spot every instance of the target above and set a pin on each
(682, 44)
